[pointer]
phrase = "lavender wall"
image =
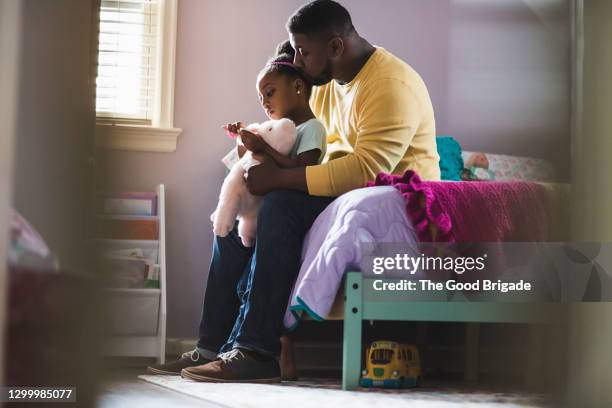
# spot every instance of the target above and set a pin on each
(497, 75)
(509, 78)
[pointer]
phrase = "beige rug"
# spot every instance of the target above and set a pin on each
(318, 393)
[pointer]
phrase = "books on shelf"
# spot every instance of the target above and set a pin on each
(126, 228)
(130, 203)
(152, 277)
(127, 244)
(127, 268)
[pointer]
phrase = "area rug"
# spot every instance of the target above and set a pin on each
(321, 393)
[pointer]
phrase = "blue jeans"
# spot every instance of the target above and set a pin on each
(248, 288)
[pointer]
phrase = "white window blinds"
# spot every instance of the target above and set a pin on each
(127, 60)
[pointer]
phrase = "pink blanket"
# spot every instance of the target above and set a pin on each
(512, 211)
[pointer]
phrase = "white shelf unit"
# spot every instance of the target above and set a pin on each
(138, 316)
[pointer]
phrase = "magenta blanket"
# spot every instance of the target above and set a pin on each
(510, 211)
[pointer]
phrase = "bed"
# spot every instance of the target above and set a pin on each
(334, 284)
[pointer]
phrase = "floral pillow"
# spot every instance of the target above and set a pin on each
(490, 166)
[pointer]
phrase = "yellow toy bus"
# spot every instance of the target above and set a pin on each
(390, 364)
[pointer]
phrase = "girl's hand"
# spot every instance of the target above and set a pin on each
(241, 150)
(234, 128)
(253, 142)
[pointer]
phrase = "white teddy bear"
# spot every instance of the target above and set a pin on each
(235, 201)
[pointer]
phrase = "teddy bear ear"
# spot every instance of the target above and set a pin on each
(252, 127)
(286, 124)
(265, 124)
(286, 121)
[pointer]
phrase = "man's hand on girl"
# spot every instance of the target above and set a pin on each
(252, 142)
(262, 179)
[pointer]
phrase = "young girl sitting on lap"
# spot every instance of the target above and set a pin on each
(284, 93)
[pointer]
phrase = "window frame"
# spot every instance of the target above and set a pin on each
(160, 136)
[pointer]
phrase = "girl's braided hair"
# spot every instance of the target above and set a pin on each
(282, 63)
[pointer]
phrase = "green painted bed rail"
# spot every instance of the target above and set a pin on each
(361, 303)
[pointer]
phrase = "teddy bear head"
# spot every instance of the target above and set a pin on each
(279, 134)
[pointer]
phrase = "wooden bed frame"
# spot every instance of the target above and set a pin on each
(362, 302)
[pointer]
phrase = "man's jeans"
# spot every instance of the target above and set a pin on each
(248, 288)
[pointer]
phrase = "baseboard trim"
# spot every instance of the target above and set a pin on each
(175, 346)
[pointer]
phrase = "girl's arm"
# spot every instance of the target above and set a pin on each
(307, 158)
(256, 144)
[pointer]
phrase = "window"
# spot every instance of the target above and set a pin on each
(127, 49)
(135, 75)
(381, 356)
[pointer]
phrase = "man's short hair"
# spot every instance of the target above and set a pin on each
(322, 19)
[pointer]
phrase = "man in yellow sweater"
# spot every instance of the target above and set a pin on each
(379, 118)
(375, 107)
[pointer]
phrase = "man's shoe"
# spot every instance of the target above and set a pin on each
(238, 365)
(189, 359)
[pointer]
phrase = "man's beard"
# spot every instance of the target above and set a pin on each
(323, 78)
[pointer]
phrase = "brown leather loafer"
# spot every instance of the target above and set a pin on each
(238, 365)
(189, 359)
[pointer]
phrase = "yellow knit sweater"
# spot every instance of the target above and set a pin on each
(381, 121)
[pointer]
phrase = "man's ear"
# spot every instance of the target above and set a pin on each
(336, 47)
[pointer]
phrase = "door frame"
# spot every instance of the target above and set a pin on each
(10, 33)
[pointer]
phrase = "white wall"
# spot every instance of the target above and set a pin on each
(509, 78)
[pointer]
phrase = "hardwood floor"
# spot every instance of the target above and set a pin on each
(123, 388)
